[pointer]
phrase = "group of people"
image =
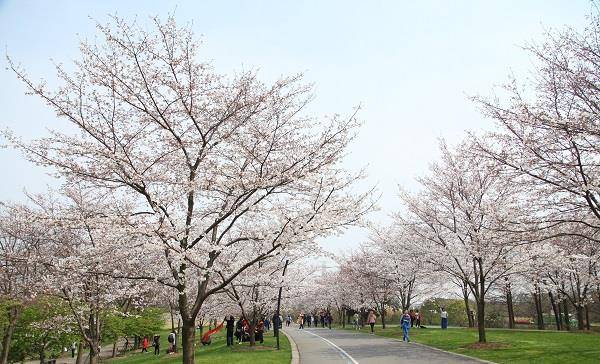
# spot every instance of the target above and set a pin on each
(408, 319)
(241, 329)
(156, 343)
(312, 320)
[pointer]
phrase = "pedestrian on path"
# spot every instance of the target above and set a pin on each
(329, 319)
(230, 326)
(371, 320)
(73, 347)
(145, 344)
(301, 321)
(356, 322)
(418, 318)
(444, 316)
(405, 324)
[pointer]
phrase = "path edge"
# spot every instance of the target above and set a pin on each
(295, 352)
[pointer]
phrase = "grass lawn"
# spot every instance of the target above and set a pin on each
(217, 352)
(511, 346)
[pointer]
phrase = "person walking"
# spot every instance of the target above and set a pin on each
(301, 321)
(405, 324)
(418, 318)
(356, 326)
(288, 320)
(371, 320)
(145, 344)
(259, 332)
(444, 317)
(411, 313)
(156, 344)
(230, 326)
(73, 348)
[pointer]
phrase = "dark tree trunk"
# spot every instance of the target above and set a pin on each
(588, 326)
(252, 329)
(383, 315)
(480, 298)
(556, 310)
(580, 323)
(481, 320)
(566, 313)
(537, 300)
(94, 354)
(470, 317)
(188, 339)
(13, 316)
(511, 311)
(114, 350)
(79, 359)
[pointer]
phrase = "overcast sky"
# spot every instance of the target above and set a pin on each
(411, 65)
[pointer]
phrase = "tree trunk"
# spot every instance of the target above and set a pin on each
(94, 354)
(114, 350)
(511, 311)
(172, 317)
(556, 310)
(383, 315)
(580, 323)
(481, 303)
(538, 309)
(252, 330)
(567, 319)
(13, 316)
(79, 359)
(42, 356)
(188, 340)
(481, 319)
(468, 307)
(588, 326)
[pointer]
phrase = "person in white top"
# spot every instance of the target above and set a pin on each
(444, 316)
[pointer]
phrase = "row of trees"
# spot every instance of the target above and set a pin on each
(517, 207)
(179, 183)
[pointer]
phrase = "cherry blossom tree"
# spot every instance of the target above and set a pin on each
(462, 214)
(220, 172)
(401, 256)
(548, 127)
(74, 247)
(20, 273)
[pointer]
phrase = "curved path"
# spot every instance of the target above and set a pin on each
(317, 345)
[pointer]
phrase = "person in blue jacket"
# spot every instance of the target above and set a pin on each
(405, 324)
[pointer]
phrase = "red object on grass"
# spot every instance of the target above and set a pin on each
(207, 335)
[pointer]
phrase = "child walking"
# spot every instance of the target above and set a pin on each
(405, 323)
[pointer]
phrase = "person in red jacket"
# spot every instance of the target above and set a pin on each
(145, 344)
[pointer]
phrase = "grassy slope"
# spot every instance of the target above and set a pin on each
(217, 352)
(521, 346)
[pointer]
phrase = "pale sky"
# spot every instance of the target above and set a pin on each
(410, 64)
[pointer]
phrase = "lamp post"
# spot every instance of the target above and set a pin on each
(279, 305)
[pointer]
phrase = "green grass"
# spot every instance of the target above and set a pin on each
(516, 346)
(217, 352)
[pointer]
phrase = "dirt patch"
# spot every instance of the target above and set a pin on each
(486, 346)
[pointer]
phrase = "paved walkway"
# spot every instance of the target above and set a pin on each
(317, 345)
